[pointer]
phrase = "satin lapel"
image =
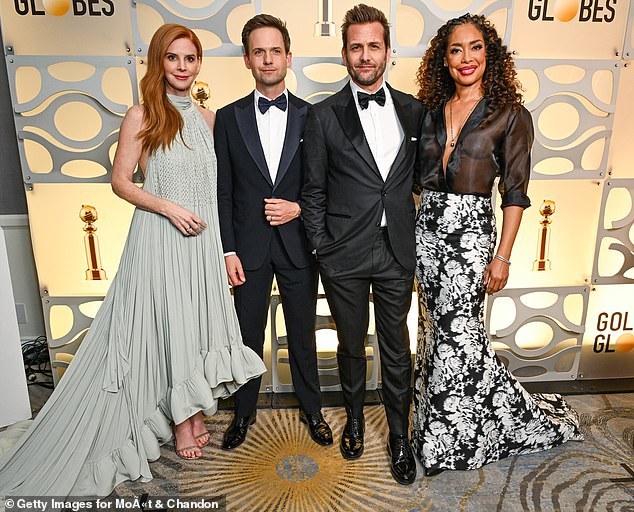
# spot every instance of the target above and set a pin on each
(248, 126)
(351, 124)
(404, 114)
(294, 124)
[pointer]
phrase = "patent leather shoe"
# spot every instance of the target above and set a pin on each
(402, 464)
(352, 438)
(317, 427)
(237, 431)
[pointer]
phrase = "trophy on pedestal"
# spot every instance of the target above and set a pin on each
(88, 214)
(200, 93)
(543, 236)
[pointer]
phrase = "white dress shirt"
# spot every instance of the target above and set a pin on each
(382, 130)
(272, 130)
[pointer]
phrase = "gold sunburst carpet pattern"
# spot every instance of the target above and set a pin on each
(279, 468)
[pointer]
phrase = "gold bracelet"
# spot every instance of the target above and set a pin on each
(502, 258)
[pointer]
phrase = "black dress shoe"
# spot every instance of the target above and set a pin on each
(237, 431)
(402, 465)
(429, 472)
(317, 427)
(352, 438)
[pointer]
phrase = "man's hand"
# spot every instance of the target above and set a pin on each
(280, 211)
(234, 270)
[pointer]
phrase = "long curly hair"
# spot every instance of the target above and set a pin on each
(162, 122)
(500, 85)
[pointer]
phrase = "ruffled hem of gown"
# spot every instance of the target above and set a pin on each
(224, 371)
(127, 462)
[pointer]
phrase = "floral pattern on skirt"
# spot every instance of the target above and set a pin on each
(468, 409)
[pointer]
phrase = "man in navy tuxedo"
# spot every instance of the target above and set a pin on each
(258, 145)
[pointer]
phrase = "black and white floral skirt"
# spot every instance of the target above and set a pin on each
(468, 409)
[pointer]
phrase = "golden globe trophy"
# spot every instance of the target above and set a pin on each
(88, 214)
(543, 236)
(200, 93)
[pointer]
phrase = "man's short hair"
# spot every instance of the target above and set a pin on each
(263, 21)
(363, 13)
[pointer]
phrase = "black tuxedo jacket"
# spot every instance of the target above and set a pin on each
(244, 181)
(344, 194)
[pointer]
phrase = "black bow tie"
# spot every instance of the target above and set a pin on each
(279, 102)
(365, 99)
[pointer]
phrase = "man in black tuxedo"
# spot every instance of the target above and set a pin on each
(257, 141)
(358, 211)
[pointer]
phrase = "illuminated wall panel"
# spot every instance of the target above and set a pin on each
(628, 42)
(209, 22)
(538, 333)
(68, 320)
(58, 236)
(572, 234)
(572, 104)
(423, 18)
(608, 343)
(68, 113)
(569, 29)
(620, 162)
(67, 27)
(614, 257)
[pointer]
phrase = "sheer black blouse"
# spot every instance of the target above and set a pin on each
(493, 142)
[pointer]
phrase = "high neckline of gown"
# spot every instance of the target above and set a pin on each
(181, 102)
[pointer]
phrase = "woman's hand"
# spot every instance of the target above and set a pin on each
(184, 220)
(496, 276)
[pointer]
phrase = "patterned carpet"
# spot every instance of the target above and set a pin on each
(279, 468)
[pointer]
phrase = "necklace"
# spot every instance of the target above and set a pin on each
(453, 138)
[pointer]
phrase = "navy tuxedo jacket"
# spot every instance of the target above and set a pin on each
(244, 181)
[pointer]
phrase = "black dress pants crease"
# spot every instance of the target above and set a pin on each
(298, 291)
(348, 292)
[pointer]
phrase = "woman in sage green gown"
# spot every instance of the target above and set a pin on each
(165, 344)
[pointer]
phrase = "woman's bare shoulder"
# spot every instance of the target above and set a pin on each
(208, 115)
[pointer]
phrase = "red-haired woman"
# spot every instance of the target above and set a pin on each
(165, 344)
(468, 409)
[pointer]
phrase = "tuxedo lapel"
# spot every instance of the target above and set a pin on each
(294, 125)
(248, 126)
(346, 112)
(404, 114)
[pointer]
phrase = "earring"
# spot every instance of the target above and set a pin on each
(445, 64)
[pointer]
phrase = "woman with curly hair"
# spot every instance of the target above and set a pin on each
(468, 409)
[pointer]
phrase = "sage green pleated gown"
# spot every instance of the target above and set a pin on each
(165, 343)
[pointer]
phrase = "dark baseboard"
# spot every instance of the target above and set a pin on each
(582, 387)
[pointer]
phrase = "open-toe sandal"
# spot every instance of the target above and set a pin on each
(200, 436)
(181, 452)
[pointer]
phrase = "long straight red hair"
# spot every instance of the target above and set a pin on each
(161, 120)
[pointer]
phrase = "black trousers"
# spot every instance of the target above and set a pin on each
(347, 292)
(298, 290)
